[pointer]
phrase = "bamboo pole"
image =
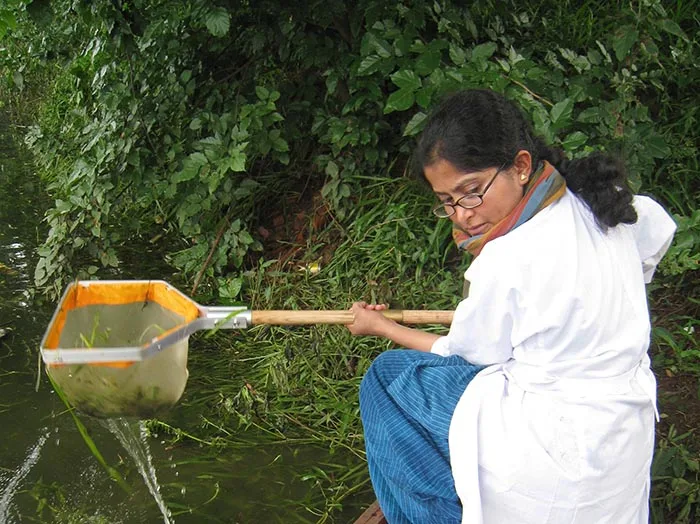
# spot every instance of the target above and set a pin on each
(308, 317)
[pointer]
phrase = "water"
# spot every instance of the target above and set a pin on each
(10, 486)
(48, 474)
(134, 438)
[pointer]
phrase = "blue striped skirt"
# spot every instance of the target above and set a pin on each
(407, 399)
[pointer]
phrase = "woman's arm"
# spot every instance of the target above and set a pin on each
(370, 321)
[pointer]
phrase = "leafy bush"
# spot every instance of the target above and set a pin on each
(676, 476)
(178, 119)
(684, 253)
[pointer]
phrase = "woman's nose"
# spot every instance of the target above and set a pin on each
(461, 216)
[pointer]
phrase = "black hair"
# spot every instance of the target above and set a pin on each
(477, 129)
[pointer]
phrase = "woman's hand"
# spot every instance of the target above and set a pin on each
(369, 319)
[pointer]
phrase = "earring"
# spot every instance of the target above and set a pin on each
(523, 177)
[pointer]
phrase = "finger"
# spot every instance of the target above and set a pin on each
(377, 307)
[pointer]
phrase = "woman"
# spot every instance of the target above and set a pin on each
(538, 406)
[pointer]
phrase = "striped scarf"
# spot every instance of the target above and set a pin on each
(545, 186)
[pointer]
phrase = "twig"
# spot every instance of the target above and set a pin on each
(38, 372)
(209, 257)
(534, 95)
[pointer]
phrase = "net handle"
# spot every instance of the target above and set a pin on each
(300, 318)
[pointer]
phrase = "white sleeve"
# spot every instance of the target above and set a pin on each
(653, 233)
(483, 322)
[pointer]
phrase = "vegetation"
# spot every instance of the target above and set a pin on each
(254, 143)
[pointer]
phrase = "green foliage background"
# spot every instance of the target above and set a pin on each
(182, 118)
(189, 122)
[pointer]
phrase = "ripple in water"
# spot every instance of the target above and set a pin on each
(11, 486)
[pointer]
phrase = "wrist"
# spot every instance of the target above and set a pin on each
(386, 327)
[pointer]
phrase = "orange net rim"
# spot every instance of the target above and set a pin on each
(117, 292)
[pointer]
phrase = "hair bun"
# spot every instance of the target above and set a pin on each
(601, 181)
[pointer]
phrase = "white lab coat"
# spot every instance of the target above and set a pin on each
(560, 427)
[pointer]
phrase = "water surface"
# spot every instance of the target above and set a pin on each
(48, 474)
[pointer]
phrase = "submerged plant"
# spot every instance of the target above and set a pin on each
(89, 442)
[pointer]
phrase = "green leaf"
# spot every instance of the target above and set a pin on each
(62, 206)
(624, 38)
(484, 51)
(589, 116)
(331, 84)
(424, 96)
(230, 288)
(672, 27)
(399, 101)
(574, 141)
(678, 466)
(218, 21)
(561, 112)
(415, 125)
(191, 167)
(369, 65)
(40, 272)
(406, 79)
(379, 46)
(245, 238)
(18, 80)
(237, 162)
(262, 92)
(541, 122)
(7, 21)
(427, 62)
(279, 144)
(134, 159)
(332, 169)
(657, 147)
(457, 55)
(604, 51)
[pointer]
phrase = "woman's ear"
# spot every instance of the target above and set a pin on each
(523, 166)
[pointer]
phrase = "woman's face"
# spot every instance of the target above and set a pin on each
(450, 184)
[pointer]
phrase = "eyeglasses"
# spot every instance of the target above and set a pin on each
(469, 201)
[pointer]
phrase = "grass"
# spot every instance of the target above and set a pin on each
(273, 385)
